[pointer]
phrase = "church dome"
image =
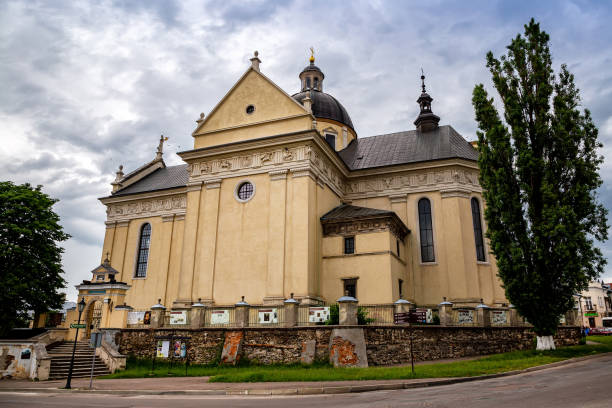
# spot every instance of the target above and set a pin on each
(325, 106)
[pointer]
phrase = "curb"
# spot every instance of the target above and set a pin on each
(315, 390)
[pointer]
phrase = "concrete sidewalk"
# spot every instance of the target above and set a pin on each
(201, 386)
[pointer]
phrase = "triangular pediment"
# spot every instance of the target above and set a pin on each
(99, 269)
(269, 105)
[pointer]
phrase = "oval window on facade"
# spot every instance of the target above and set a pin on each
(244, 191)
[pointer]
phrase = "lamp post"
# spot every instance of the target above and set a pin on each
(81, 306)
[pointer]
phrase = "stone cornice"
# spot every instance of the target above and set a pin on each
(360, 225)
(243, 146)
(246, 125)
(424, 165)
(103, 286)
(145, 195)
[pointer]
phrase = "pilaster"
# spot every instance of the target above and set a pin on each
(189, 245)
(206, 265)
(276, 237)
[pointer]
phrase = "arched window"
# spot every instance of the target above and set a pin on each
(480, 253)
(143, 251)
(427, 244)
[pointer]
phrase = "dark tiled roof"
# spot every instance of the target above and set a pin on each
(325, 106)
(407, 147)
(167, 177)
(347, 212)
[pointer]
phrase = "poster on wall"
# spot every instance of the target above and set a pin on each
(499, 317)
(465, 316)
(429, 316)
(135, 318)
(163, 346)
(179, 349)
(219, 317)
(147, 317)
(318, 314)
(178, 317)
(268, 316)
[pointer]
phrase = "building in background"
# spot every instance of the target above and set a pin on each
(596, 305)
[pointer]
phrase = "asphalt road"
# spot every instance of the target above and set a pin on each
(585, 384)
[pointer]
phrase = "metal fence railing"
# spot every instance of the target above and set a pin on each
(378, 314)
(260, 315)
(220, 316)
(265, 316)
(313, 315)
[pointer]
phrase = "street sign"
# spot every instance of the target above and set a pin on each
(401, 318)
(77, 326)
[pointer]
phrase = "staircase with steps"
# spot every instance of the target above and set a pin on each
(60, 361)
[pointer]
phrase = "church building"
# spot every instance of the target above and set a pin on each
(280, 195)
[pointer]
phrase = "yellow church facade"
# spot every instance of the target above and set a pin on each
(280, 196)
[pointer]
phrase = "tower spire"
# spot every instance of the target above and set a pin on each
(426, 121)
(423, 80)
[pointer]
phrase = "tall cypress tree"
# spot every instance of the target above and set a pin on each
(539, 171)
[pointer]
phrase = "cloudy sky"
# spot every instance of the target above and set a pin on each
(86, 86)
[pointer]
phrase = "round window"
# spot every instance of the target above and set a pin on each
(245, 191)
(250, 109)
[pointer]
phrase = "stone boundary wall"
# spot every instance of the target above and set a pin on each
(385, 345)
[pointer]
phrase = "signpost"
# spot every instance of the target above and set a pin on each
(77, 325)
(94, 342)
(414, 316)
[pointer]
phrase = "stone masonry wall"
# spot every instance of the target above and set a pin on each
(385, 345)
(388, 347)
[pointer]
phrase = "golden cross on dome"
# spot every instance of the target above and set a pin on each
(312, 58)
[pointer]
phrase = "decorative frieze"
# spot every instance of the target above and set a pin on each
(125, 211)
(248, 161)
(445, 179)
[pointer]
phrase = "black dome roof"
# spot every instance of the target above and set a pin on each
(325, 106)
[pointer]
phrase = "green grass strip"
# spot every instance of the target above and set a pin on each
(497, 363)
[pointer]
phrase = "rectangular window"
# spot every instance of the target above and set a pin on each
(349, 245)
(350, 287)
(400, 284)
(397, 247)
(588, 303)
(331, 140)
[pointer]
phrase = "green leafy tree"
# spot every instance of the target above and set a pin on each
(539, 171)
(30, 257)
